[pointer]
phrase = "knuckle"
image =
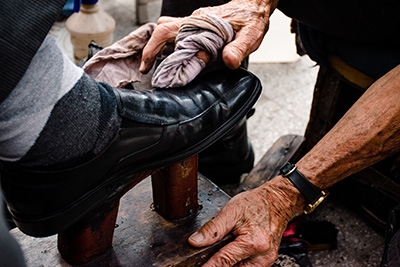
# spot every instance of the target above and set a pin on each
(228, 259)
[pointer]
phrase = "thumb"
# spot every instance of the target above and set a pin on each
(232, 55)
(246, 41)
(212, 232)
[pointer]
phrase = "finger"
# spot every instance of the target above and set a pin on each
(228, 256)
(162, 34)
(232, 57)
(261, 260)
(212, 232)
(242, 250)
(203, 55)
(215, 229)
(165, 19)
(246, 41)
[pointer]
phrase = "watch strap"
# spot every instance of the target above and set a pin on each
(312, 194)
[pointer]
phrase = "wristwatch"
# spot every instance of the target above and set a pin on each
(313, 194)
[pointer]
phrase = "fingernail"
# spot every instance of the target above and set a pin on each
(197, 237)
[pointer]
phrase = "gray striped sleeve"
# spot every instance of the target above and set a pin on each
(26, 110)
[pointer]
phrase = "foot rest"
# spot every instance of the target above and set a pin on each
(142, 237)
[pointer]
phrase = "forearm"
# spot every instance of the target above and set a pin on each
(367, 133)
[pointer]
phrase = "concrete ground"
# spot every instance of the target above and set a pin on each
(283, 108)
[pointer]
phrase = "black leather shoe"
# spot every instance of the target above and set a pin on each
(390, 256)
(159, 127)
(225, 161)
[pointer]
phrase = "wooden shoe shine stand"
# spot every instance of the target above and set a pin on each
(153, 231)
(148, 227)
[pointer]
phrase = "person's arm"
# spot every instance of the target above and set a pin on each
(249, 19)
(367, 133)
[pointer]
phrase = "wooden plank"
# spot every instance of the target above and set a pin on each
(281, 151)
(324, 106)
(142, 237)
(333, 96)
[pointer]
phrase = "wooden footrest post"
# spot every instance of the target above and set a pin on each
(93, 235)
(89, 238)
(175, 190)
(175, 197)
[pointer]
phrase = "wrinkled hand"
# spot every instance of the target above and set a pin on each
(249, 19)
(258, 219)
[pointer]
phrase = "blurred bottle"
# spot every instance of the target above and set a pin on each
(90, 23)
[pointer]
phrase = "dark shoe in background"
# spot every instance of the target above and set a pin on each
(230, 157)
(391, 253)
(292, 254)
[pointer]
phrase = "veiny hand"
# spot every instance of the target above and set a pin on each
(258, 219)
(249, 19)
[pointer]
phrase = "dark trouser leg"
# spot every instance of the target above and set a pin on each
(181, 8)
(11, 253)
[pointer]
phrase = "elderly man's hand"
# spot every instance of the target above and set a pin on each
(258, 219)
(249, 19)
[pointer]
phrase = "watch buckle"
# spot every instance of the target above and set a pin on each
(311, 207)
